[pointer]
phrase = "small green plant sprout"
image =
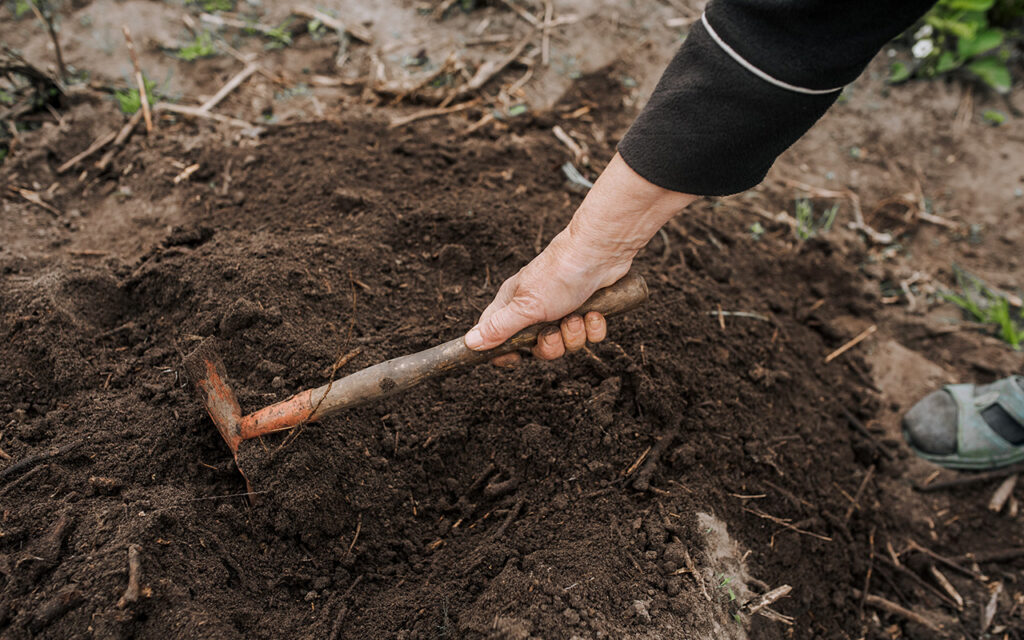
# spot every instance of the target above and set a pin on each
(213, 6)
(756, 230)
(806, 225)
(724, 585)
(993, 117)
(21, 7)
(976, 36)
(280, 36)
(317, 29)
(129, 99)
(201, 47)
(988, 306)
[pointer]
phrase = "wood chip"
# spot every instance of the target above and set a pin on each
(37, 200)
(186, 172)
(947, 586)
(988, 613)
(1002, 494)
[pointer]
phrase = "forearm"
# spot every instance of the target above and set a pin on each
(620, 215)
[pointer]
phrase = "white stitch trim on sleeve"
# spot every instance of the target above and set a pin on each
(754, 70)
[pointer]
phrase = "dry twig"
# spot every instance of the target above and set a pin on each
(891, 607)
(36, 199)
(61, 69)
(119, 140)
(356, 30)
(196, 112)
(786, 524)
(974, 478)
(430, 113)
(97, 144)
(947, 586)
(857, 496)
(766, 599)
(860, 337)
(230, 86)
(139, 79)
(134, 589)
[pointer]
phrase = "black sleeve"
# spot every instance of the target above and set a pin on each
(750, 79)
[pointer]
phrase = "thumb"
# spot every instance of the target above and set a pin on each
(497, 327)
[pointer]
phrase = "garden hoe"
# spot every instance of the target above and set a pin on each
(206, 370)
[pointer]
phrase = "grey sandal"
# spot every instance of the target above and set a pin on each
(963, 426)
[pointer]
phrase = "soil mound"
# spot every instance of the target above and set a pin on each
(553, 500)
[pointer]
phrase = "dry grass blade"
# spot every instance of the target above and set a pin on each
(356, 30)
(786, 524)
(430, 113)
(196, 112)
(230, 86)
(851, 344)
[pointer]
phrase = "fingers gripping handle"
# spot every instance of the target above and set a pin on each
(625, 295)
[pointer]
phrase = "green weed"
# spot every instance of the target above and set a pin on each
(280, 36)
(129, 99)
(213, 6)
(993, 117)
(724, 585)
(976, 36)
(756, 230)
(21, 7)
(201, 47)
(987, 307)
(806, 225)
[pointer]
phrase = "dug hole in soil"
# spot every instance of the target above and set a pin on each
(646, 488)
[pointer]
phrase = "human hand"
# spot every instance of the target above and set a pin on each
(616, 219)
(548, 289)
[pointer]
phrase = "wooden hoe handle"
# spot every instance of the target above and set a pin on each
(398, 374)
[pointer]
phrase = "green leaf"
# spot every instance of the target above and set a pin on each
(992, 72)
(898, 72)
(982, 42)
(968, 5)
(947, 62)
(201, 47)
(129, 99)
(993, 117)
(517, 110)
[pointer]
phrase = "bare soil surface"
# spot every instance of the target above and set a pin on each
(647, 488)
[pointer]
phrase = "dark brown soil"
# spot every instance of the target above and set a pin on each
(494, 503)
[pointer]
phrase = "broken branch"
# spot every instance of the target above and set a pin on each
(131, 593)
